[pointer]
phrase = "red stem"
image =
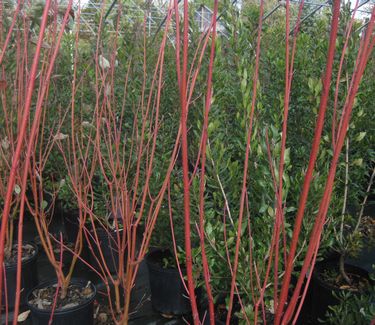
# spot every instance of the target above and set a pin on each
(313, 156)
(362, 59)
(206, 270)
(246, 163)
(30, 146)
(185, 165)
(21, 137)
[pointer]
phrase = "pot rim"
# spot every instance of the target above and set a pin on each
(101, 230)
(156, 266)
(26, 261)
(317, 272)
(67, 310)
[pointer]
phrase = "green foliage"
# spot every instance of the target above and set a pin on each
(352, 309)
(229, 115)
(227, 130)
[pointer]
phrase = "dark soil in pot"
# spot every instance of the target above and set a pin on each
(168, 294)
(29, 275)
(327, 279)
(76, 308)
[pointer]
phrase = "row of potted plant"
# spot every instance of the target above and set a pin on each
(185, 149)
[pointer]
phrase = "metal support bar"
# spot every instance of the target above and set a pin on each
(312, 3)
(309, 15)
(161, 24)
(271, 12)
(362, 27)
(110, 9)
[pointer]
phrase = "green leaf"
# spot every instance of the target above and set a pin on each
(360, 136)
(287, 156)
(360, 112)
(44, 205)
(358, 162)
(209, 229)
(291, 209)
(310, 83)
(263, 208)
(245, 74)
(318, 87)
(230, 241)
(243, 85)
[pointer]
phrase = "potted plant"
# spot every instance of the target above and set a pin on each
(120, 176)
(29, 275)
(166, 258)
(335, 277)
(29, 251)
(75, 307)
(102, 242)
(64, 299)
(352, 309)
(167, 284)
(104, 226)
(29, 173)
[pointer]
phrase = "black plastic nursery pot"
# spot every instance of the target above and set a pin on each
(107, 242)
(168, 294)
(66, 258)
(207, 321)
(77, 315)
(109, 248)
(29, 279)
(304, 316)
(322, 292)
(71, 223)
(105, 302)
(221, 312)
(217, 322)
(102, 296)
